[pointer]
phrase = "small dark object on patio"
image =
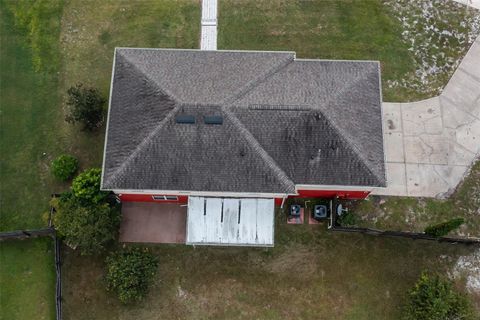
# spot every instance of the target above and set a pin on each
(320, 212)
(295, 210)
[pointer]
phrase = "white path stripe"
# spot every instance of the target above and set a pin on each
(208, 38)
(471, 3)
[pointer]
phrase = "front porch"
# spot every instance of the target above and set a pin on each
(151, 222)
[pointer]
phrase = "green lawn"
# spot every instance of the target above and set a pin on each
(48, 47)
(27, 279)
(29, 139)
(348, 29)
(29, 103)
(414, 214)
(309, 274)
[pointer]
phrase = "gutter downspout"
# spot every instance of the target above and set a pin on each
(283, 201)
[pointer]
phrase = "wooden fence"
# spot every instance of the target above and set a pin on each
(46, 232)
(25, 234)
(58, 274)
(410, 235)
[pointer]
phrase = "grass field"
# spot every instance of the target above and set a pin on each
(309, 274)
(27, 279)
(30, 115)
(30, 112)
(70, 43)
(350, 29)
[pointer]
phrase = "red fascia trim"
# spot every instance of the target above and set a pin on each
(148, 198)
(345, 194)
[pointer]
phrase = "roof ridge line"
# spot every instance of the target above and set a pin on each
(269, 161)
(340, 132)
(150, 80)
(351, 146)
(139, 147)
(146, 140)
(253, 83)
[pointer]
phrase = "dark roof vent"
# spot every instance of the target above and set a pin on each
(213, 119)
(184, 119)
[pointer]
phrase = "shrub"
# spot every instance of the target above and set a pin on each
(85, 106)
(64, 167)
(434, 298)
(86, 186)
(347, 219)
(130, 272)
(444, 228)
(86, 227)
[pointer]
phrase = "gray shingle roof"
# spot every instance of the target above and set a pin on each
(286, 121)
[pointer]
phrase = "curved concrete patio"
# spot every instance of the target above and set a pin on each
(430, 145)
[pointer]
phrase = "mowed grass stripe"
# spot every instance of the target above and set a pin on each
(30, 111)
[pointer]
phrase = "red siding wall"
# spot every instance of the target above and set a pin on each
(148, 198)
(326, 194)
(333, 193)
(278, 201)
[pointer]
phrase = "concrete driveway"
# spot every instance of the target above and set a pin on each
(431, 144)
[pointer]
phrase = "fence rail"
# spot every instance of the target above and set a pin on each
(410, 235)
(25, 234)
(46, 232)
(58, 273)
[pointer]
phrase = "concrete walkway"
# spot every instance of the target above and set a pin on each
(430, 145)
(208, 38)
(471, 3)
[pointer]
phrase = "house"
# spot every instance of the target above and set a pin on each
(220, 130)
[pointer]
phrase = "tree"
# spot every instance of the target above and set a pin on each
(88, 227)
(64, 167)
(444, 228)
(130, 272)
(85, 105)
(86, 186)
(434, 298)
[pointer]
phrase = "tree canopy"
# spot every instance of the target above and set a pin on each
(86, 227)
(84, 217)
(64, 167)
(130, 272)
(85, 105)
(86, 186)
(434, 298)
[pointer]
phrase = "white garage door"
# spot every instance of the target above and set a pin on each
(230, 221)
